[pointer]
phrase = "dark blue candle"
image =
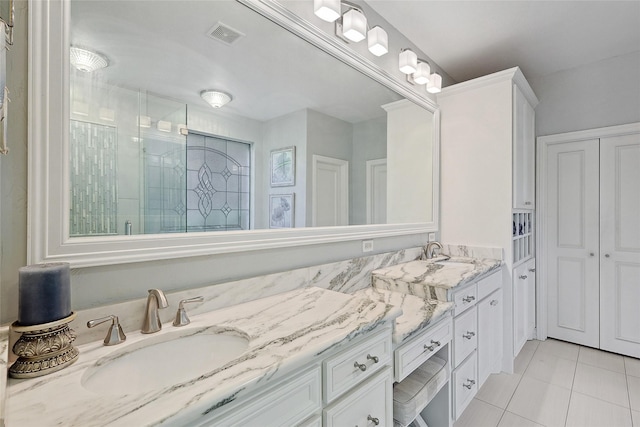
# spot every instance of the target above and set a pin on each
(44, 293)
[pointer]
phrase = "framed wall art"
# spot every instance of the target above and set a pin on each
(283, 167)
(281, 210)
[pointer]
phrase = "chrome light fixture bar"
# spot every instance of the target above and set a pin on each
(86, 60)
(216, 98)
(352, 26)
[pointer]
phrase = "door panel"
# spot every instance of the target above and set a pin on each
(330, 196)
(572, 241)
(620, 244)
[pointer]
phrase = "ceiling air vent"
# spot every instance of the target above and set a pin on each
(224, 33)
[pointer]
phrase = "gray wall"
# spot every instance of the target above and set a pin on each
(97, 286)
(369, 143)
(604, 93)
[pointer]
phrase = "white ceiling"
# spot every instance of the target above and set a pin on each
(469, 39)
(163, 47)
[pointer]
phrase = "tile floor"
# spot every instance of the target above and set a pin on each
(560, 384)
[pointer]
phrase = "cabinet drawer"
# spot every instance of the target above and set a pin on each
(414, 353)
(465, 299)
(464, 385)
(285, 404)
(347, 369)
(489, 284)
(465, 337)
(370, 402)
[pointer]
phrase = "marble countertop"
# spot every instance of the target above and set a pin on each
(432, 278)
(286, 332)
(417, 313)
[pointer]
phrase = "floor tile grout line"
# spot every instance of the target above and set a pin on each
(575, 372)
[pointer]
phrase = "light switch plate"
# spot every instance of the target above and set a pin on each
(367, 245)
(432, 237)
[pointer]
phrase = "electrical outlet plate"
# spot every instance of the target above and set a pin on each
(367, 245)
(432, 237)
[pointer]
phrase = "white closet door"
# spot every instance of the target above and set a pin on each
(620, 244)
(572, 242)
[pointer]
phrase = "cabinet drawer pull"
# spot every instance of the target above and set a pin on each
(469, 335)
(533, 270)
(374, 358)
(469, 384)
(527, 203)
(360, 366)
(468, 298)
(524, 276)
(433, 345)
(494, 302)
(374, 420)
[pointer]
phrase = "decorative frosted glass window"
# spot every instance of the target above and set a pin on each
(218, 184)
(93, 152)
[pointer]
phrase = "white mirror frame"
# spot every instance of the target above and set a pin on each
(48, 220)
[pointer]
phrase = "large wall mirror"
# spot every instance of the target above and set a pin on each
(314, 144)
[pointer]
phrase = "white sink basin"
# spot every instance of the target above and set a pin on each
(163, 361)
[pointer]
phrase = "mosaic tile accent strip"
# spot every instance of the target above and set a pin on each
(94, 190)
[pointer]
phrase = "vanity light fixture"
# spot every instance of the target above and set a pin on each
(144, 122)
(378, 41)
(86, 60)
(215, 98)
(164, 126)
(435, 83)
(423, 70)
(352, 25)
(327, 10)
(408, 61)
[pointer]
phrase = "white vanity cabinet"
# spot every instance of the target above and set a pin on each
(524, 173)
(523, 295)
(487, 166)
(477, 337)
(352, 386)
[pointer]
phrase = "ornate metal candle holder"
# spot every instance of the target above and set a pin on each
(43, 349)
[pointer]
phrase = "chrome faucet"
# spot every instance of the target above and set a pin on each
(429, 251)
(155, 300)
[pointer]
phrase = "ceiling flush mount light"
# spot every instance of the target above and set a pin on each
(378, 41)
(421, 76)
(216, 98)
(327, 10)
(435, 83)
(354, 25)
(408, 61)
(86, 61)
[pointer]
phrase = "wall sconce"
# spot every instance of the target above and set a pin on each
(216, 98)
(435, 83)
(352, 26)
(86, 61)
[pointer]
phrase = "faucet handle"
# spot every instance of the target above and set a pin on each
(115, 335)
(181, 316)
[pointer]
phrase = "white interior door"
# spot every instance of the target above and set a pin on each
(330, 193)
(572, 241)
(376, 199)
(620, 244)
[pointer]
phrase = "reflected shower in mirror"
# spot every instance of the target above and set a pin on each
(148, 154)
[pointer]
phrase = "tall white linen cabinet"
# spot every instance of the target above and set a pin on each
(488, 186)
